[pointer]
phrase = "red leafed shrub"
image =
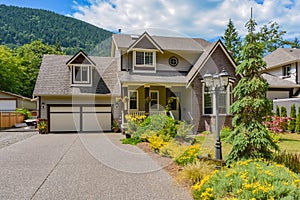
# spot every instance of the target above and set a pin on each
(277, 124)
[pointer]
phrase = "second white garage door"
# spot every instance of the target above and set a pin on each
(80, 118)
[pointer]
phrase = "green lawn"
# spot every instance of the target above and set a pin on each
(288, 142)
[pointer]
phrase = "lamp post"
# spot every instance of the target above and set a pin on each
(217, 83)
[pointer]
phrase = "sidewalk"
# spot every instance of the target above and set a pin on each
(89, 166)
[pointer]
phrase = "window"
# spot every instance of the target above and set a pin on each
(208, 103)
(286, 70)
(173, 61)
(154, 104)
(133, 100)
(81, 74)
(225, 99)
(144, 58)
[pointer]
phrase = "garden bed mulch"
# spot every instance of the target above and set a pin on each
(166, 163)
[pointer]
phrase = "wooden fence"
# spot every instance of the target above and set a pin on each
(9, 119)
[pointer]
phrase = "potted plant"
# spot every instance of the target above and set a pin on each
(42, 126)
(115, 126)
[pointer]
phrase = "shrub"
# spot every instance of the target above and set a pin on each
(183, 129)
(277, 124)
(225, 132)
(290, 160)
(195, 172)
(172, 149)
(277, 113)
(292, 121)
(132, 140)
(26, 113)
(133, 122)
(283, 111)
(156, 142)
(249, 180)
(189, 156)
(297, 126)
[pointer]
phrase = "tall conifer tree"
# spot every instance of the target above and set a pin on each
(250, 138)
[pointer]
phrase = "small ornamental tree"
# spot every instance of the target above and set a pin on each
(277, 111)
(283, 112)
(250, 138)
(292, 121)
(297, 126)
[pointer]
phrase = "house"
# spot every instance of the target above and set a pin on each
(149, 73)
(9, 102)
(282, 73)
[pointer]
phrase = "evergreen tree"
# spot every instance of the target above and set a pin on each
(292, 121)
(277, 114)
(250, 138)
(283, 112)
(232, 41)
(297, 127)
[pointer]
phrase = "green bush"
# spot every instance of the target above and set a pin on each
(290, 160)
(249, 180)
(292, 121)
(277, 114)
(189, 156)
(132, 140)
(183, 129)
(283, 112)
(25, 112)
(225, 132)
(297, 126)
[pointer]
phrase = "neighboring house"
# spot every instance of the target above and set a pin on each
(9, 102)
(79, 93)
(283, 73)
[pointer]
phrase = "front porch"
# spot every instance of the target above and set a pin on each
(152, 99)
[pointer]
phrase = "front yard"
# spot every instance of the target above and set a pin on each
(168, 142)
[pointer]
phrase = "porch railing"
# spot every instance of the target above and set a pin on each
(157, 112)
(136, 113)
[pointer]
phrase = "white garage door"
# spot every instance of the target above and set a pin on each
(83, 118)
(8, 105)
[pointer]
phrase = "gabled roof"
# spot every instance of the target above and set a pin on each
(80, 58)
(55, 77)
(147, 39)
(125, 41)
(15, 95)
(276, 82)
(209, 50)
(282, 56)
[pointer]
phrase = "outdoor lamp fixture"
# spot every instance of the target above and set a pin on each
(217, 83)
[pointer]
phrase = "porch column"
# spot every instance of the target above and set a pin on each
(147, 89)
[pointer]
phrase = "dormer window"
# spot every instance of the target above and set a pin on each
(144, 61)
(81, 74)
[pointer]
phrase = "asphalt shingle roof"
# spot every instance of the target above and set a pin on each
(276, 82)
(55, 77)
(166, 43)
(282, 56)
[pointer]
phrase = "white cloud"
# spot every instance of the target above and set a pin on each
(206, 19)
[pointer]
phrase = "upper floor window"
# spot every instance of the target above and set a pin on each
(144, 58)
(144, 61)
(81, 74)
(286, 70)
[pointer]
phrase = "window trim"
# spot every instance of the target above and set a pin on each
(89, 75)
(137, 99)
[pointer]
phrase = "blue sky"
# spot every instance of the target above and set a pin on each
(206, 18)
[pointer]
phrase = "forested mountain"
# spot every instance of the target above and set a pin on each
(19, 26)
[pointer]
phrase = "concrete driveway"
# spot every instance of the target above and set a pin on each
(82, 166)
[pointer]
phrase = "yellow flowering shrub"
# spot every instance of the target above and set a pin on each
(189, 156)
(133, 122)
(250, 179)
(172, 149)
(156, 142)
